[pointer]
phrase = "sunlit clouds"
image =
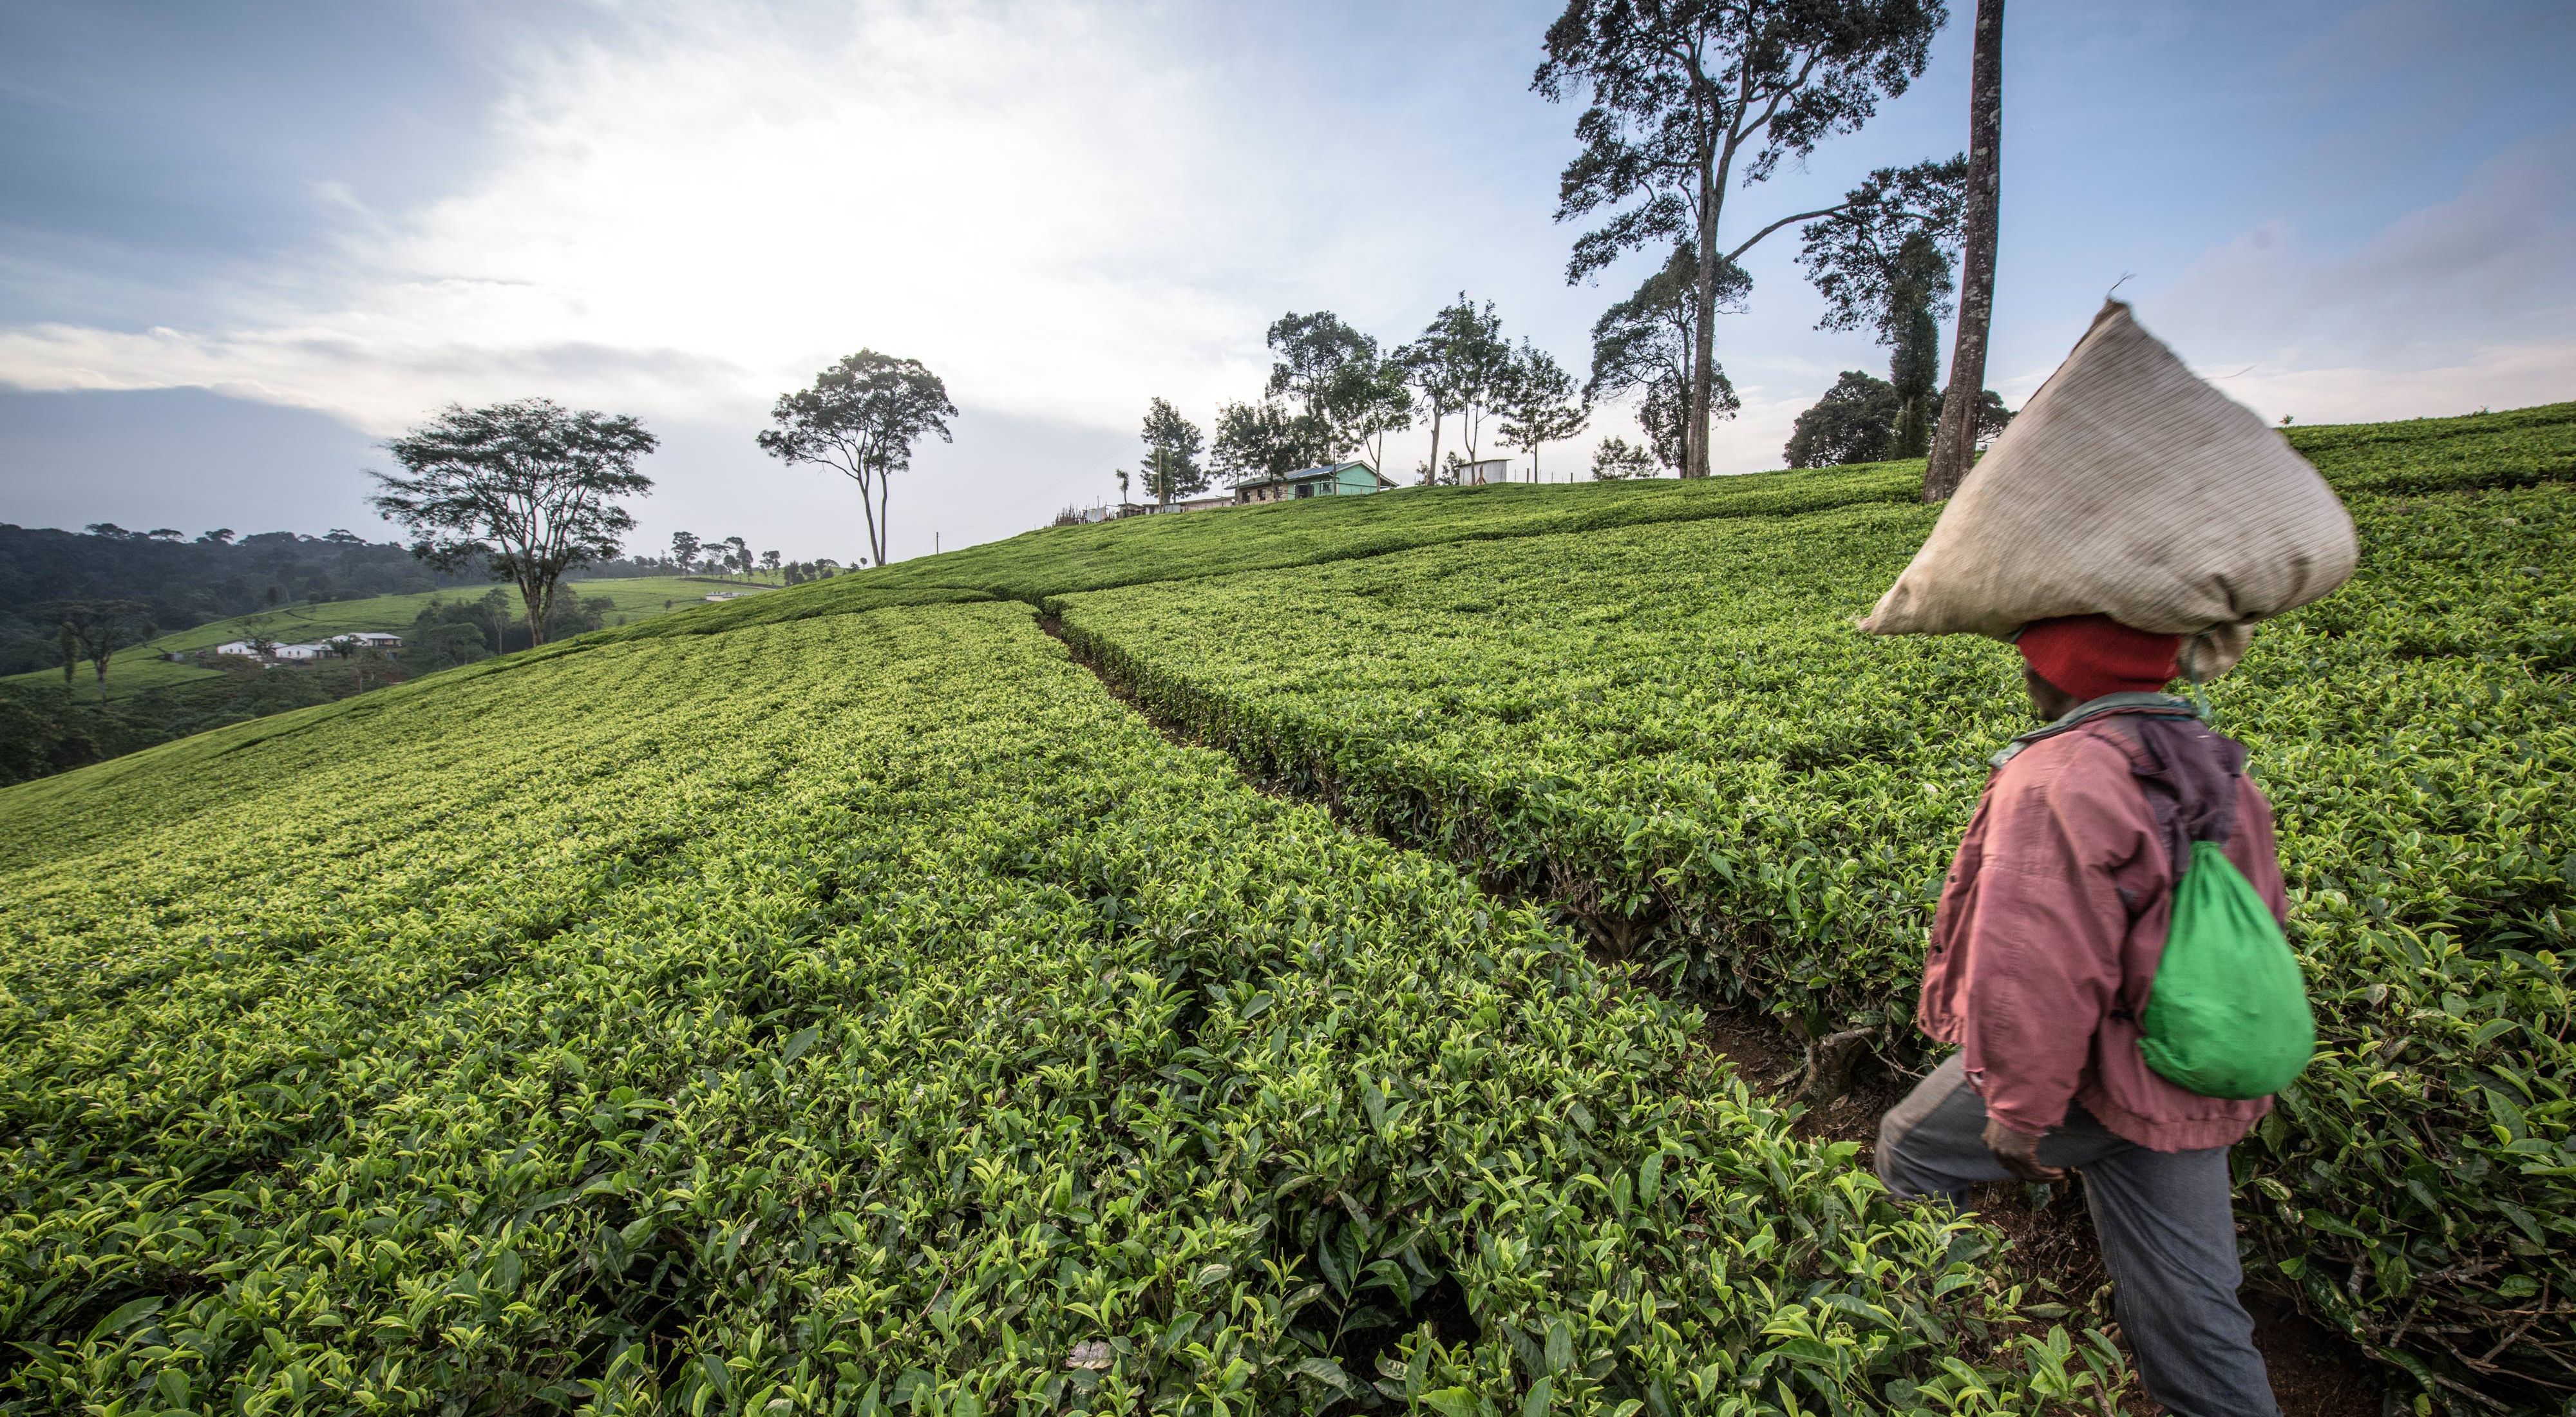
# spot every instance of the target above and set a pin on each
(1065, 209)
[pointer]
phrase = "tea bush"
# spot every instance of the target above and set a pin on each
(1672, 733)
(868, 1012)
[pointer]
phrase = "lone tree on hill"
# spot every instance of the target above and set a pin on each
(528, 488)
(1459, 363)
(1883, 262)
(1539, 404)
(1954, 447)
(1683, 93)
(95, 630)
(860, 419)
(1172, 445)
(684, 549)
(1644, 345)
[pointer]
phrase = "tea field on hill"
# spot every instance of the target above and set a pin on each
(1673, 732)
(835, 1000)
(914, 1028)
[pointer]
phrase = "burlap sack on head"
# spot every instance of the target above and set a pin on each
(2127, 487)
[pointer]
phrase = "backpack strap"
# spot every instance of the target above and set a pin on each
(2190, 775)
(2109, 705)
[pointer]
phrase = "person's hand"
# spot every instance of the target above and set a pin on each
(2019, 1153)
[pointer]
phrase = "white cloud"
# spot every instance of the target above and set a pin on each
(2458, 304)
(1021, 201)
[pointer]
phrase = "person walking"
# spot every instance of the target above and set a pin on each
(2051, 924)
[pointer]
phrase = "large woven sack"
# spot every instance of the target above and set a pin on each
(2128, 487)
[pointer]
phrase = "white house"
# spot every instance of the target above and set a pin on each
(374, 639)
(243, 648)
(299, 652)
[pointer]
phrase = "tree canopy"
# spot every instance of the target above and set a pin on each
(95, 630)
(1539, 403)
(1643, 345)
(1172, 445)
(1257, 440)
(528, 488)
(1617, 460)
(1883, 263)
(1687, 97)
(1854, 422)
(1862, 419)
(860, 418)
(1459, 363)
(1372, 398)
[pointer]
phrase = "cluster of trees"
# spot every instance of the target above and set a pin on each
(184, 581)
(1684, 102)
(1335, 391)
(447, 633)
(1867, 419)
(731, 556)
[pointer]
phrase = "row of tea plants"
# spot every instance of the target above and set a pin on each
(1672, 734)
(865, 1013)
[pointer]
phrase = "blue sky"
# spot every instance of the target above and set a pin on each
(241, 244)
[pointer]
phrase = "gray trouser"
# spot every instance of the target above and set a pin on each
(2168, 1236)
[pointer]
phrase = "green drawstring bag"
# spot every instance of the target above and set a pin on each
(2228, 1014)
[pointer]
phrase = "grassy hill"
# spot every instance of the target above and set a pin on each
(837, 998)
(141, 667)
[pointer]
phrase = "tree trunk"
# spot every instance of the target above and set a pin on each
(1954, 448)
(1431, 472)
(885, 515)
(1703, 352)
(1909, 427)
(533, 597)
(868, 506)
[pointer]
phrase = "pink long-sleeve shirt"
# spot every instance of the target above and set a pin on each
(2046, 942)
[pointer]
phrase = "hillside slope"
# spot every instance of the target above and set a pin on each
(1672, 732)
(870, 1012)
(836, 998)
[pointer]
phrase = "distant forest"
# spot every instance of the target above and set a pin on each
(189, 582)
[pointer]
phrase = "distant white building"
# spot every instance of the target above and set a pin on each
(299, 652)
(1485, 472)
(242, 648)
(373, 639)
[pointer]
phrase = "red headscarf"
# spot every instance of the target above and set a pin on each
(2092, 655)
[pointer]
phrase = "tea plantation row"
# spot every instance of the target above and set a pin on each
(1671, 732)
(869, 1013)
